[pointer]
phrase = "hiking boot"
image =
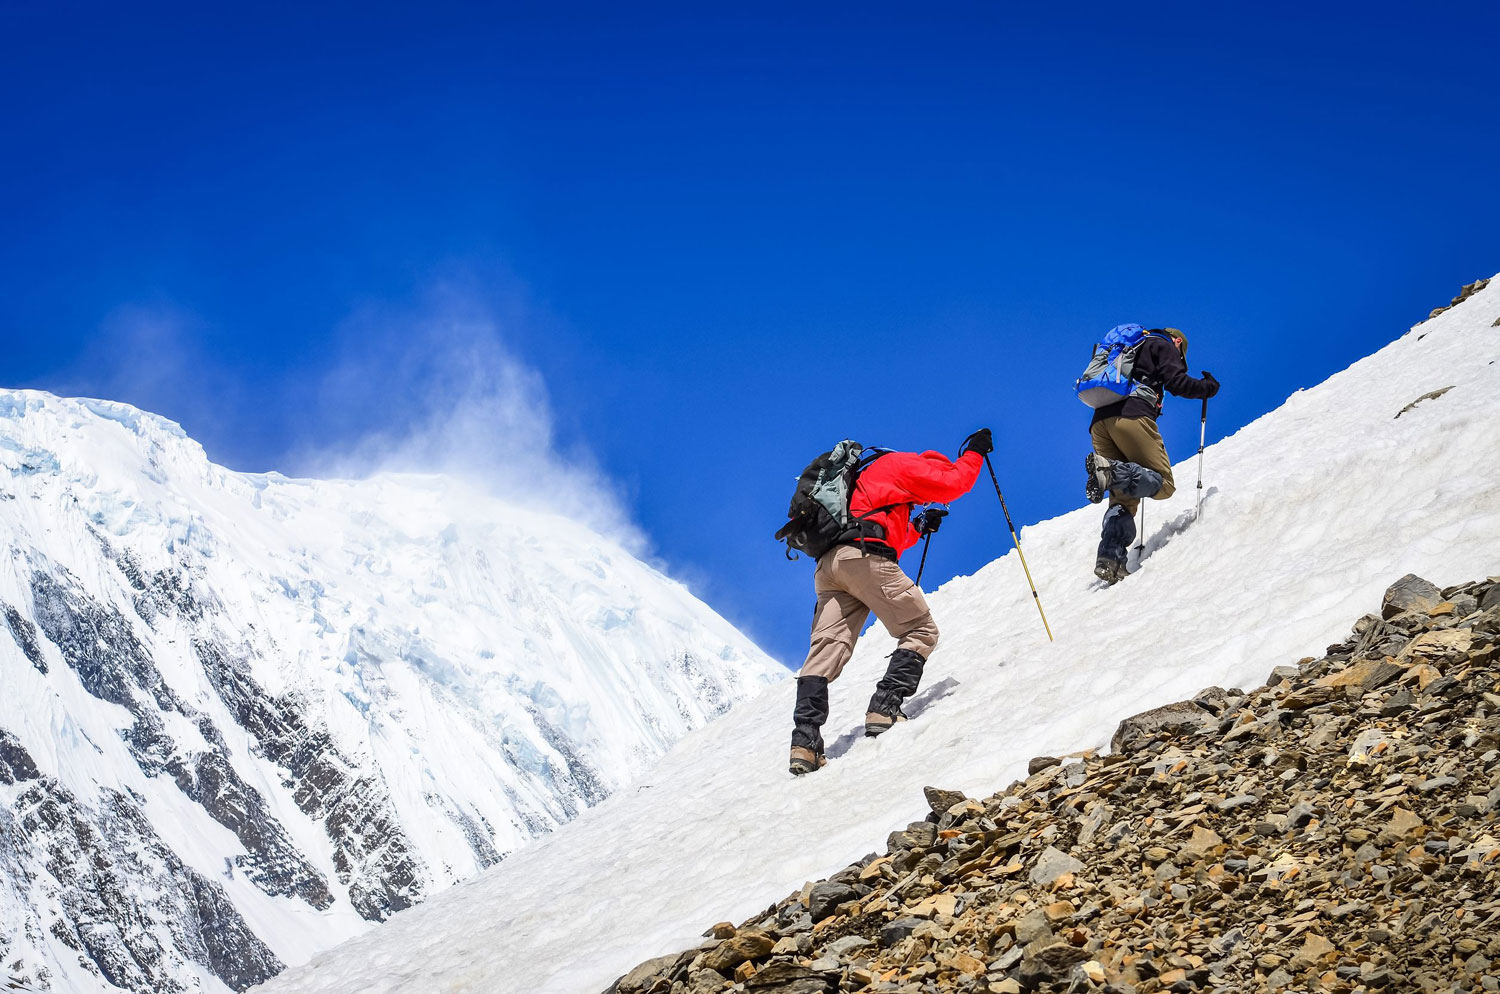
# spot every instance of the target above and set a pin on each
(1097, 483)
(1111, 571)
(876, 723)
(806, 761)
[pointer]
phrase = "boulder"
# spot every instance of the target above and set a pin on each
(893, 932)
(825, 898)
(641, 977)
(748, 945)
(1182, 717)
(1051, 865)
(1410, 593)
(939, 800)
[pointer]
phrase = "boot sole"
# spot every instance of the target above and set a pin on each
(1109, 575)
(1091, 488)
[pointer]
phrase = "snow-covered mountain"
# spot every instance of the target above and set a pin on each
(1311, 512)
(242, 717)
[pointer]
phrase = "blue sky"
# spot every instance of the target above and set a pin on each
(683, 248)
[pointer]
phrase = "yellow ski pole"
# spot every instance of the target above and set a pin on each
(1016, 539)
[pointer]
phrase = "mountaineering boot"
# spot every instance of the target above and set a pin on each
(806, 761)
(902, 675)
(1111, 571)
(808, 716)
(1098, 477)
(1114, 544)
(875, 722)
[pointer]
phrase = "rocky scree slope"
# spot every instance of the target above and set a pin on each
(244, 716)
(1333, 830)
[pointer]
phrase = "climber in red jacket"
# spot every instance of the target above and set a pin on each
(861, 575)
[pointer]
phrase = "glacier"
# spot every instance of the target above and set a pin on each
(244, 717)
(1310, 512)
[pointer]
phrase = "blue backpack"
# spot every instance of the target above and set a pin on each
(1108, 378)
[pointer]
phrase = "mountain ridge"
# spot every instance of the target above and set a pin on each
(314, 702)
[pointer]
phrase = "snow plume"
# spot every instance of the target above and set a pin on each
(437, 389)
(151, 355)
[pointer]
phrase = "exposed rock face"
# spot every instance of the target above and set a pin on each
(1303, 836)
(1468, 290)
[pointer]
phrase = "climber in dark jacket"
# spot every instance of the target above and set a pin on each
(1130, 460)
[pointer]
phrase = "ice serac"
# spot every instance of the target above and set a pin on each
(1311, 512)
(245, 717)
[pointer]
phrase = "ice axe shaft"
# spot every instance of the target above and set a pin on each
(1202, 435)
(1017, 540)
(926, 541)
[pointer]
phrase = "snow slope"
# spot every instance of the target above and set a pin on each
(1312, 511)
(244, 716)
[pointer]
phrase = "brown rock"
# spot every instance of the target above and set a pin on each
(1366, 675)
(1314, 950)
(750, 944)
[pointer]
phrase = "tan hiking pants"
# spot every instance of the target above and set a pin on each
(849, 586)
(1134, 440)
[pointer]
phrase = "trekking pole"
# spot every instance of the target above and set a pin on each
(1202, 434)
(1140, 546)
(1016, 539)
(926, 541)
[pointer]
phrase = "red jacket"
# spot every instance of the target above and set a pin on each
(907, 478)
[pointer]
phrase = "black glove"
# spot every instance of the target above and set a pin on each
(979, 442)
(929, 520)
(1213, 384)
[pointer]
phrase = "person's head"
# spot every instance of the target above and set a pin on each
(1178, 339)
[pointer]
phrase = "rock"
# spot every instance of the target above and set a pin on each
(939, 800)
(1398, 703)
(747, 946)
(1040, 763)
(640, 978)
(1051, 962)
(1314, 950)
(1051, 865)
(723, 930)
(1410, 593)
(787, 945)
(1429, 395)
(842, 947)
(705, 982)
(1402, 824)
(917, 835)
(1203, 842)
(1282, 674)
(1184, 717)
(1237, 802)
(1314, 695)
(789, 978)
(937, 904)
(1034, 927)
(1365, 675)
(893, 932)
(825, 898)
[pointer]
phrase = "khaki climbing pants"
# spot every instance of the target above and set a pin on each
(1134, 440)
(849, 586)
